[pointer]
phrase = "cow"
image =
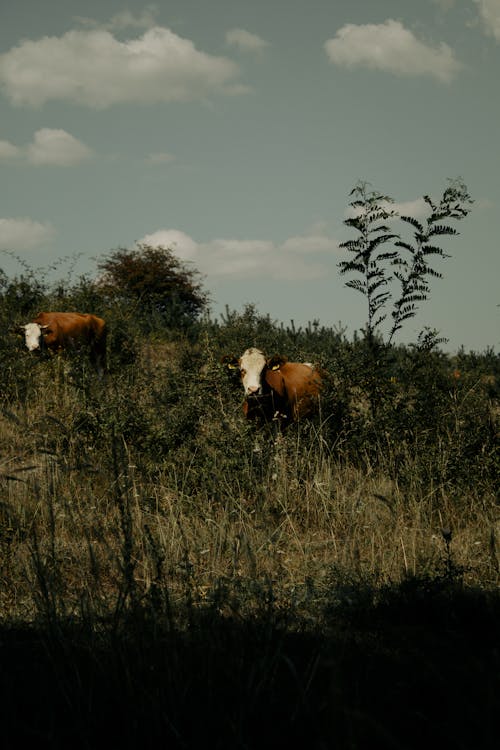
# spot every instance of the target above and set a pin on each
(60, 331)
(276, 389)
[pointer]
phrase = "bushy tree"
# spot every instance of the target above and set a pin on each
(160, 287)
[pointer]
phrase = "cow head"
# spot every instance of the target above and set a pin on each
(252, 366)
(33, 336)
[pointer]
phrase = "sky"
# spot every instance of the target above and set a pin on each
(233, 132)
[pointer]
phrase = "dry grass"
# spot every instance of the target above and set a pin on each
(171, 576)
(83, 519)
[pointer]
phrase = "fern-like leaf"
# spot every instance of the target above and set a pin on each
(411, 220)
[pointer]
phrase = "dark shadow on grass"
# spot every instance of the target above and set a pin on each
(412, 666)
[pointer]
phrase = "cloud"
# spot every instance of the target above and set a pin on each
(489, 11)
(418, 208)
(391, 48)
(245, 41)
(56, 147)
(8, 150)
(49, 147)
(24, 234)
(298, 258)
(95, 69)
(123, 20)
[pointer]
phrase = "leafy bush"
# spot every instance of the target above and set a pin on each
(161, 289)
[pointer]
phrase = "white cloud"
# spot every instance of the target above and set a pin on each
(56, 147)
(245, 41)
(95, 69)
(184, 247)
(295, 259)
(489, 10)
(418, 208)
(8, 150)
(49, 147)
(391, 48)
(24, 234)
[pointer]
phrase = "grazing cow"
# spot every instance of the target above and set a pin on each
(59, 331)
(275, 388)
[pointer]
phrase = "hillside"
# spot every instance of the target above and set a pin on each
(158, 548)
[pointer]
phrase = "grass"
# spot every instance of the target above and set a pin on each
(96, 474)
(172, 573)
(288, 519)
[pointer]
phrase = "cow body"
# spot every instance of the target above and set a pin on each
(60, 331)
(276, 389)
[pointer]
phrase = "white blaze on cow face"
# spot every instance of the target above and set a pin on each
(32, 336)
(252, 363)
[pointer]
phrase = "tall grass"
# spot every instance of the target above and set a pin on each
(111, 489)
(183, 576)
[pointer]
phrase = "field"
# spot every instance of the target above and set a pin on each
(173, 574)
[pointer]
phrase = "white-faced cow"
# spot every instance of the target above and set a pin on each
(59, 331)
(275, 388)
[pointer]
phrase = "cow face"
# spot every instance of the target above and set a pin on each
(252, 363)
(253, 366)
(33, 336)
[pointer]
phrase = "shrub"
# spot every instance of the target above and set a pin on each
(161, 289)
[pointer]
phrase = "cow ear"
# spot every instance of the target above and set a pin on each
(275, 362)
(230, 362)
(45, 329)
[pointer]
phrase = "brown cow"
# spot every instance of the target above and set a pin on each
(59, 331)
(275, 388)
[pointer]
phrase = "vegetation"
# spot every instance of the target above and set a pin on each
(379, 268)
(171, 572)
(163, 289)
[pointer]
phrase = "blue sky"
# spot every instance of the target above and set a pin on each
(234, 131)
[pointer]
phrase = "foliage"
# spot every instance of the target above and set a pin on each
(19, 298)
(149, 535)
(20, 295)
(158, 549)
(160, 288)
(377, 270)
(413, 273)
(371, 212)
